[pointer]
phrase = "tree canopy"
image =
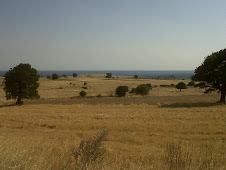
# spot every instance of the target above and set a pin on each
(213, 72)
(181, 85)
(21, 82)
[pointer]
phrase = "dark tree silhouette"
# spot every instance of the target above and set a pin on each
(181, 85)
(75, 74)
(55, 76)
(213, 72)
(108, 75)
(21, 82)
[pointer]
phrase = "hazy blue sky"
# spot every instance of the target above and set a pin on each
(110, 34)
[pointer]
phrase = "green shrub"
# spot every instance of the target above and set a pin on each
(136, 76)
(83, 93)
(191, 83)
(142, 90)
(132, 91)
(181, 85)
(109, 75)
(164, 85)
(90, 151)
(121, 90)
(75, 75)
(21, 82)
(55, 76)
(172, 85)
(202, 85)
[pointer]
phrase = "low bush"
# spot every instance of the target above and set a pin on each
(55, 76)
(121, 91)
(82, 93)
(109, 75)
(191, 83)
(142, 90)
(132, 91)
(164, 85)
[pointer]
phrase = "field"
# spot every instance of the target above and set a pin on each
(143, 132)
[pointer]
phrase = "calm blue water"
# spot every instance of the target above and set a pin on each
(142, 74)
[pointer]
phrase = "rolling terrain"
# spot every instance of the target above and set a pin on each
(42, 133)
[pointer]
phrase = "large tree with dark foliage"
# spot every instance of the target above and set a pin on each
(213, 72)
(21, 82)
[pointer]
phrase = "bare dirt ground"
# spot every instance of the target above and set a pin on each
(41, 133)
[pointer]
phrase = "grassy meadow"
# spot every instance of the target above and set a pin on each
(143, 132)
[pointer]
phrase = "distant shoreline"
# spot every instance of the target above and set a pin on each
(140, 73)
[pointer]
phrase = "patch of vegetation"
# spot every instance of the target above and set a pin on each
(181, 86)
(90, 151)
(191, 83)
(21, 82)
(121, 91)
(176, 158)
(142, 89)
(132, 91)
(164, 85)
(82, 93)
(55, 76)
(109, 75)
(136, 76)
(75, 75)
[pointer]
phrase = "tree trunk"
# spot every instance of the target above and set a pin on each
(19, 102)
(223, 93)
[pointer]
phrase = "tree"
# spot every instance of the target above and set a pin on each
(181, 85)
(75, 75)
(108, 75)
(121, 91)
(21, 82)
(55, 76)
(136, 76)
(213, 72)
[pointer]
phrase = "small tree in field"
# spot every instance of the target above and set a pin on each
(82, 93)
(121, 91)
(75, 75)
(181, 85)
(136, 76)
(109, 75)
(21, 82)
(213, 72)
(55, 76)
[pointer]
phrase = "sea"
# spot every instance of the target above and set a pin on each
(179, 74)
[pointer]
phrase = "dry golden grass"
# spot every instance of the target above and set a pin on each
(42, 133)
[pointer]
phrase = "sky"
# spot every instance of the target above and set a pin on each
(110, 34)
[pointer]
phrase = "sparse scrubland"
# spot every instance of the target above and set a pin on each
(166, 129)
